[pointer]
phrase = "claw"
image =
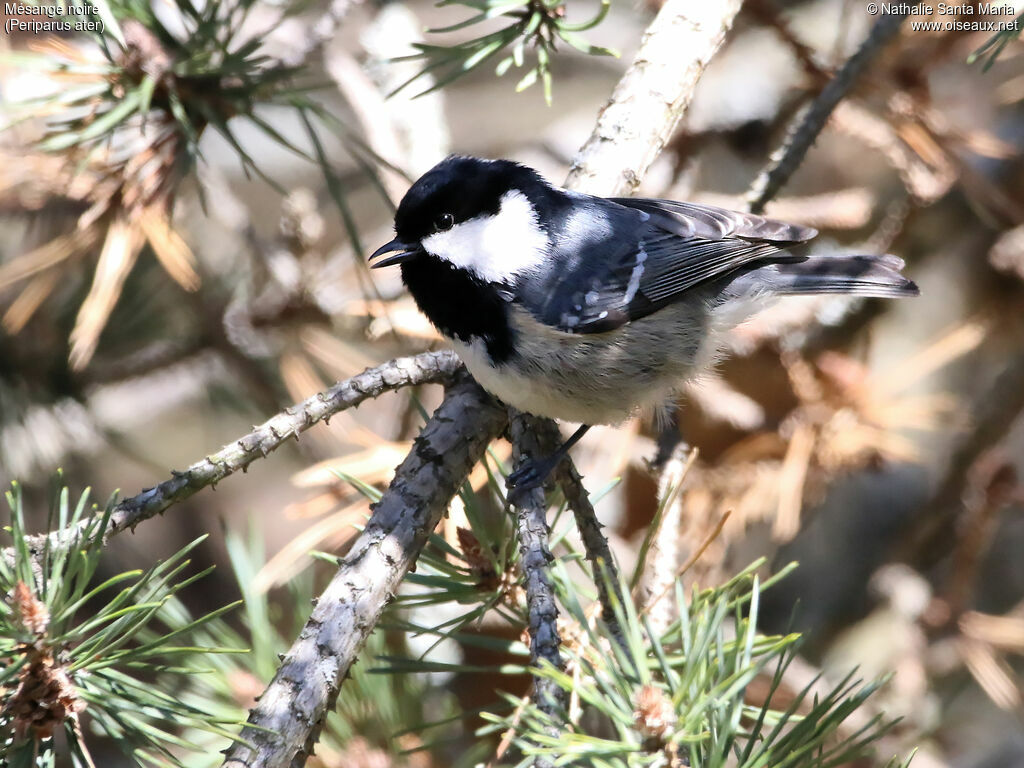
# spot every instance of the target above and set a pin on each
(526, 477)
(529, 477)
(535, 473)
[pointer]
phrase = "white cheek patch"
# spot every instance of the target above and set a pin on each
(496, 247)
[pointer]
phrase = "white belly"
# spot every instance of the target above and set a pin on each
(533, 394)
(594, 378)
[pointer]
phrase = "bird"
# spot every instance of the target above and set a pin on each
(589, 309)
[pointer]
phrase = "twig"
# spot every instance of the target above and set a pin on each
(661, 557)
(429, 367)
(690, 561)
(768, 13)
(151, 359)
(809, 123)
(284, 726)
(998, 412)
(542, 611)
(651, 97)
(595, 545)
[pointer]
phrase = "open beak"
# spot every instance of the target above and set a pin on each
(408, 251)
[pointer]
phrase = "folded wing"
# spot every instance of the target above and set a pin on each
(637, 255)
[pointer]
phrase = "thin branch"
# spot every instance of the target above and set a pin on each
(807, 125)
(595, 545)
(662, 557)
(997, 413)
(651, 97)
(542, 610)
(768, 13)
(690, 562)
(283, 728)
(426, 368)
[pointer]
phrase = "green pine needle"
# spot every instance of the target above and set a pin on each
(535, 23)
(70, 645)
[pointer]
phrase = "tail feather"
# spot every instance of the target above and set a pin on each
(877, 276)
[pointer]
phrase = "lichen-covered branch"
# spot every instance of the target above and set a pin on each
(284, 726)
(651, 97)
(426, 368)
(809, 123)
(532, 533)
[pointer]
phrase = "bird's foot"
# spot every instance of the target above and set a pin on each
(530, 476)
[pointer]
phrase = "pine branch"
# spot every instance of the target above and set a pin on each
(595, 545)
(664, 539)
(61, 664)
(998, 412)
(542, 610)
(651, 97)
(807, 125)
(426, 368)
(284, 727)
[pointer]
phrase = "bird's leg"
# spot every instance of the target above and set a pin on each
(533, 473)
(669, 437)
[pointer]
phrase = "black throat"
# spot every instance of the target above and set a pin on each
(460, 305)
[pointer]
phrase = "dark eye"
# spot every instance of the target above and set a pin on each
(444, 221)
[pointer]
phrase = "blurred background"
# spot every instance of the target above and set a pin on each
(152, 309)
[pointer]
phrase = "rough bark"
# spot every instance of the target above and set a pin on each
(595, 546)
(284, 726)
(542, 610)
(651, 97)
(426, 368)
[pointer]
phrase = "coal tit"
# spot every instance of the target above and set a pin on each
(587, 308)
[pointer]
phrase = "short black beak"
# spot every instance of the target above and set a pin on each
(408, 252)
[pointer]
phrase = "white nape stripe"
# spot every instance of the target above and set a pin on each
(494, 248)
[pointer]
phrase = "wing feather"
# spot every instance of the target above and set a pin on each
(713, 223)
(636, 255)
